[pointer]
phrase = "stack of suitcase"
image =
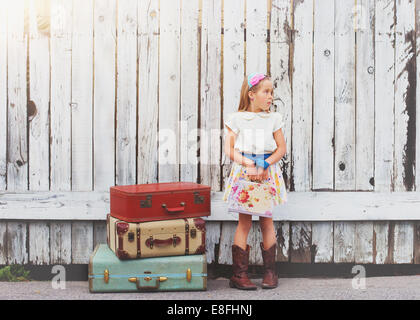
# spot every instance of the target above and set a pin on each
(156, 239)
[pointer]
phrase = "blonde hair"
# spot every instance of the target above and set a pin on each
(244, 102)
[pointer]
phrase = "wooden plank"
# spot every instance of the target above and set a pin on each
(148, 104)
(212, 239)
(301, 242)
(365, 95)
(384, 94)
(323, 109)
(256, 36)
(99, 233)
(126, 92)
(323, 241)
(281, 66)
(233, 65)
(302, 206)
(39, 95)
(3, 98)
(60, 143)
(210, 111)
(81, 242)
(344, 139)
(417, 6)
(60, 242)
(363, 242)
(254, 240)
(302, 96)
(189, 91)
(3, 243)
(17, 143)
(226, 241)
(104, 94)
(403, 242)
(405, 96)
(82, 91)
(39, 243)
(17, 251)
(283, 239)
(169, 91)
(380, 241)
(416, 231)
(344, 242)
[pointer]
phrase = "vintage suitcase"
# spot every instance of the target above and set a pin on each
(107, 273)
(159, 201)
(131, 240)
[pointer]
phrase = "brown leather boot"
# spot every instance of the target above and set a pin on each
(240, 278)
(270, 279)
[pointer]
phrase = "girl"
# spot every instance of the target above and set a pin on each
(255, 143)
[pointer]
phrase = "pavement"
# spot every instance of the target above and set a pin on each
(381, 288)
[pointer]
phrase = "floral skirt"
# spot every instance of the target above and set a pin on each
(245, 196)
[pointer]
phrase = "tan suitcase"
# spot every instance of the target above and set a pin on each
(175, 237)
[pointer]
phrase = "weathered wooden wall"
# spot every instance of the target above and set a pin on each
(90, 90)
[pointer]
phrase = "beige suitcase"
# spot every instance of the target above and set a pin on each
(130, 240)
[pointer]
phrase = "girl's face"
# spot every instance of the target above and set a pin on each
(263, 98)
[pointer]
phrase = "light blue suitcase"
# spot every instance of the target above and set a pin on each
(107, 273)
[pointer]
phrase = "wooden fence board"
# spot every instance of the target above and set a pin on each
(363, 242)
(212, 239)
(283, 240)
(60, 242)
(233, 66)
(256, 36)
(281, 66)
(344, 239)
(17, 142)
(210, 95)
(403, 242)
(126, 92)
(226, 241)
(39, 243)
(323, 241)
(380, 242)
(169, 98)
(301, 242)
(148, 94)
(405, 96)
(344, 139)
(3, 99)
(302, 96)
(104, 94)
(17, 250)
(39, 96)
(323, 86)
(3, 243)
(384, 94)
(365, 98)
(81, 242)
(189, 93)
(60, 117)
(99, 233)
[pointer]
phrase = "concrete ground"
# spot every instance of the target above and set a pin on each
(382, 288)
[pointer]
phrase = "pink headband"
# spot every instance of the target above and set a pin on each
(254, 79)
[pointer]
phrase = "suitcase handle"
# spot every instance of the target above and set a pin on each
(175, 240)
(140, 288)
(174, 210)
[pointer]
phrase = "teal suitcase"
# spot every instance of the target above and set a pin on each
(107, 273)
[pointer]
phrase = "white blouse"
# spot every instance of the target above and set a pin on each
(254, 130)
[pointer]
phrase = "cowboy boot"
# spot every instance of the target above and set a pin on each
(240, 278)
(270, 279)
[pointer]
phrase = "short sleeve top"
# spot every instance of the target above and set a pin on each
(254, 130)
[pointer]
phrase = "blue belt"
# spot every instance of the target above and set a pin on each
(259, 159)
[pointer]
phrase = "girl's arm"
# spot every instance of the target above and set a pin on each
(232, 153)
(281, 148)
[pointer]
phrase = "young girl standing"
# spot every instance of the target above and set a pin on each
(255, 143)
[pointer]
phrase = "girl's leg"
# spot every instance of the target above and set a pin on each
(268, 233)
(242, 230)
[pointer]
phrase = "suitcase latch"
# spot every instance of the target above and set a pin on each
(197, 198)
(193, 233)
(146, 203)
(131, 236)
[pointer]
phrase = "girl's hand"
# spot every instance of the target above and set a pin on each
(257, 174)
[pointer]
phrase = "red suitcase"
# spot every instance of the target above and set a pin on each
(159, 201)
